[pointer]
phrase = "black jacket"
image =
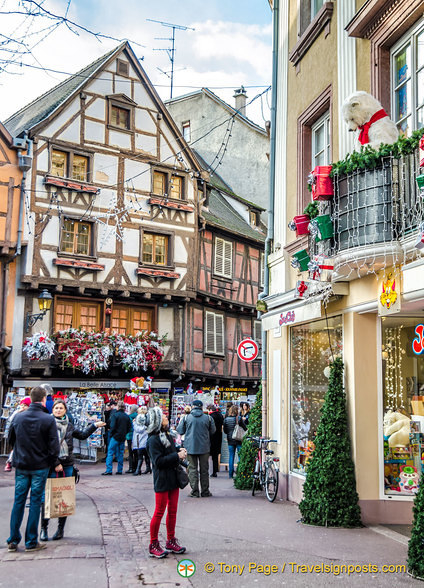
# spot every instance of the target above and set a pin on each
(120, 425)
(229, 426)
(164, 461)
(33, 436)
(216, 438)
(71, 434)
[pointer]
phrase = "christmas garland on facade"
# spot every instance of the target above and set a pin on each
(91, 352)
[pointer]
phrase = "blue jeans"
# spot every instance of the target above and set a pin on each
(232, 453)
(24, 480)
(115, 448)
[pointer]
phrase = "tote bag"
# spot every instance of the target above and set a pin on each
(238, 433)
(60, 497)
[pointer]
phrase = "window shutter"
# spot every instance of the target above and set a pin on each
(210, 332)
(219, 256)
(228, 259)
(219, 334)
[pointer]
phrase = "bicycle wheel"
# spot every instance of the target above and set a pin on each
(271, 482)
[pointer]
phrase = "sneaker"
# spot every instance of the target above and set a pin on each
(118, 473)
(173, 546)
(206, 494)
(8, 467)
(155, 550)
(36, 547)
(107, 474)
(194, 495)
(12, 546)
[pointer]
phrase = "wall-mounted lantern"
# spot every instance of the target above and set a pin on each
(45, 300)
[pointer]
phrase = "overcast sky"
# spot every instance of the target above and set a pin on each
(230, 46)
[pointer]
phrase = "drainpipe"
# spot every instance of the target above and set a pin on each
(270, 231)
(24, 162)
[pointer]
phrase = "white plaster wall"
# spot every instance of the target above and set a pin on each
(130, 269)
(94, 131)
(132, 170)
(146, 143)
(62, 118)
(106, 199)
(138, 202)
(43, 160)
(72, 133)
(108, 263)
(101, 85)
(122, 140)
(106, 241)
(105, 169)
(47, 257)
(166, 322)
(143, 121)
(123, 86)
(141, 97)
(131, 242)
(241, 208)
(165, 152)
(50, 235)
(97, 109)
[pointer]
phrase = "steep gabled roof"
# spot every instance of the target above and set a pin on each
(36, 111)
(223, 216)
(224, 105)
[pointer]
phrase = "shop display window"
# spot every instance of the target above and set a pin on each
(402, 354)
(313, 346)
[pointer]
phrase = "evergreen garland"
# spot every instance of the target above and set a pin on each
(329, 493)
(416, 543)
(248, 453)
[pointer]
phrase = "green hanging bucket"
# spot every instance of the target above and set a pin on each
(300, 260)
(322, 227)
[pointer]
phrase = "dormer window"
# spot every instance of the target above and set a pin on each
(120, 117)
(254, 218)
(168, 184)
(121, 112)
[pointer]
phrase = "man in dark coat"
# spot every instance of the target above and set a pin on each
(33, 436)
(197, 428)
(216, 438)
(120, 426)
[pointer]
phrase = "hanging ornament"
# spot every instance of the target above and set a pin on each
(300, 260)
(300, 224)
(419, 243)
(327, 371)
(321, 227)
(321, 268)
(322, 184)
(302, 289)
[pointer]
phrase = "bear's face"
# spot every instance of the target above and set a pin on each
(358, 109)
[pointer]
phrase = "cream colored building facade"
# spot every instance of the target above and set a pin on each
(322, 53)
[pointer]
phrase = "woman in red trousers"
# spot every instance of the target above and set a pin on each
(165, 458)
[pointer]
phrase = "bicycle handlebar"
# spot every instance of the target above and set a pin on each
(263, 440)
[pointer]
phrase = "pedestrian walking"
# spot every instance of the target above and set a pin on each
(197, 429)
(64, 465)
(23, 405)
(230, 423)
(216, 438)
(33, 436)
(245, 412)
(132, 459)
(165, 459)
(120, 426)
(109, 410)
(140, 441)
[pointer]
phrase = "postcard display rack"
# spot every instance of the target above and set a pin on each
(180, 401)
(86, 409)
(11, 403)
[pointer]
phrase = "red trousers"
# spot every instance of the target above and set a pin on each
(165, 499)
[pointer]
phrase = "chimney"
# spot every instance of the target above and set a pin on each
(240, 98)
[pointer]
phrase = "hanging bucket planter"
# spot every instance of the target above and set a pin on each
(300, 260)
(321, 227)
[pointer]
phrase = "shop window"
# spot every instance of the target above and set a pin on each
(402, 354)
(76, 237)
(67, 164)
(126, 320)
(223, 258)
(74, 313)
(168, 184)
(214, 333)
(187, 131)
(408, 82)
(312, 347)
(155, 249)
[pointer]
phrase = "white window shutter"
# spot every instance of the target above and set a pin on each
(219, 333)
(210, 332)
(228, 259)
(219, 256)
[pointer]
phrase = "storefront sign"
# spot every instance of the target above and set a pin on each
(288, 317)
(389, 293)
(86, 384)
(418, 342)
(297, 314)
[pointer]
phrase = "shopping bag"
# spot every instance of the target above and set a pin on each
(60, 497)
(238, 433)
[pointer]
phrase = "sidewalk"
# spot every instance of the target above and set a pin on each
(106, 542)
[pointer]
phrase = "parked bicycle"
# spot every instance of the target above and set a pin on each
(266, 470)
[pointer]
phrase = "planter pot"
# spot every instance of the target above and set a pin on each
(322, 187)
(300, 260)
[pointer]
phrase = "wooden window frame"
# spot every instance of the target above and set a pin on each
(217, 274)
(323, 121)
(186, 125)
(170, 265)
(80, 301)
(205, 318)
(71, 153)
(168, 174)
(134, 307)
(305, 122)
(93, 240)
(113, 102)
(122, 63)
(306, 38)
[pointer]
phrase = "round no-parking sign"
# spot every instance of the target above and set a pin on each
(247, 350)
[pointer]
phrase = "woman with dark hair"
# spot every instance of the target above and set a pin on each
(245, 412)
(230, 423)
(65, 462)
(165, 458)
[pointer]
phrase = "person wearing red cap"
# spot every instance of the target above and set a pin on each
(23, 405)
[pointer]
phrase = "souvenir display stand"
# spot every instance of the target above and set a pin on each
(84, 410)
(11, 403)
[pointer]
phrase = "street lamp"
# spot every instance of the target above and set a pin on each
(45, 300)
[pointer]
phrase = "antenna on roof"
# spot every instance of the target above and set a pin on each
(171, 50)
